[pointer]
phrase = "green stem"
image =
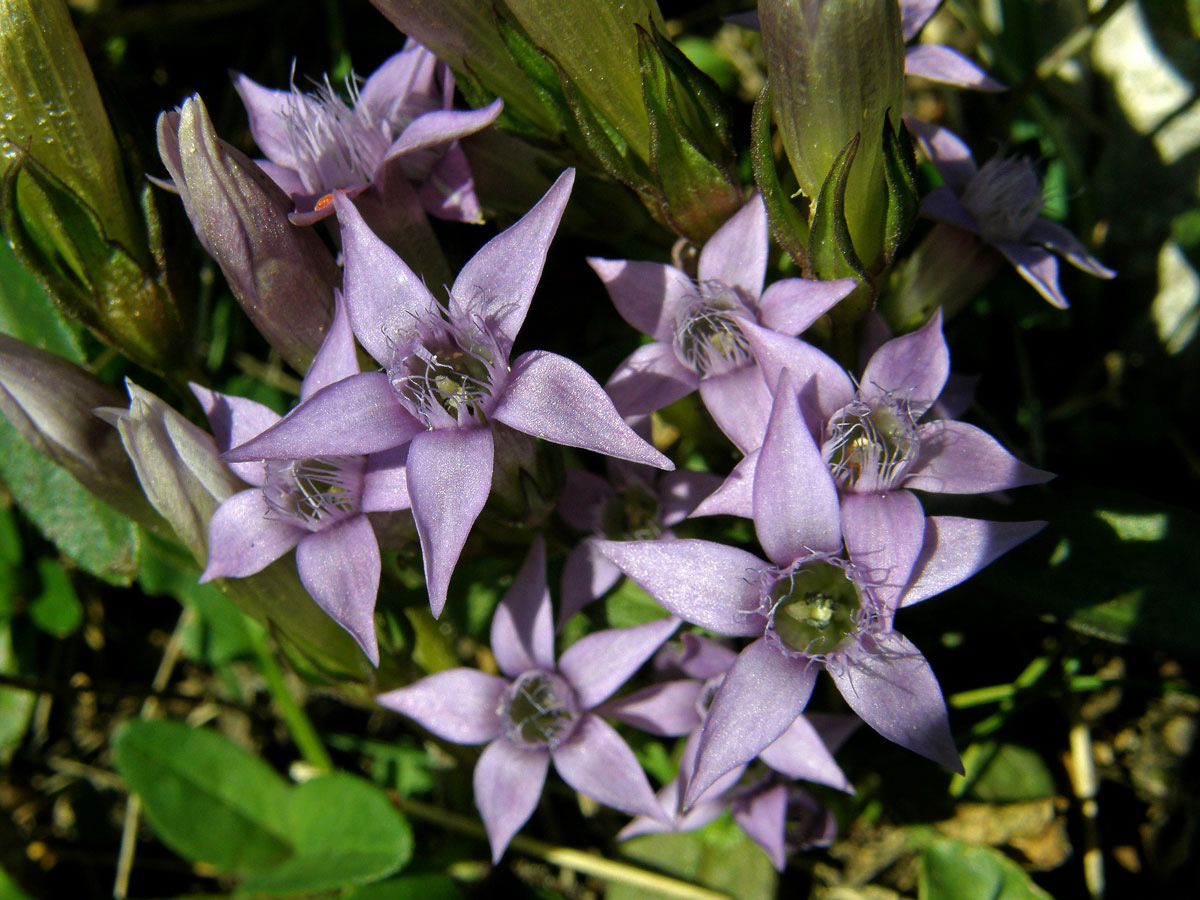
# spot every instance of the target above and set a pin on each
(576, 860)
(308, 742)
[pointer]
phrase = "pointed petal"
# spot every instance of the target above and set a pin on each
(710, 585)
(650, 378)
(883, 535)
(508, 784)
(351, 417)
(647, 295)
(385, 481)
(947, 150)
(269, 112)
(242, 540)
(699, 657)
(552, 398)
(954, 549)
(736, 255)
(947, 66)
(522, 628)
(235, 420)
(506, 270)
(449, 191)
(739, 402)
(339, 567)
(824, 385)
(336, 359)
(599, 663)
(1037, 266)
(914, 14)
(449, 478)
(763, 817)
(886, 680)
(942, 205)
(458, 705)
(667, 709)
(735, 496)
(957, 458)
(791, 305)
(583, 497)
(801, 753)
(795, 500)
(681, 491)
(1058, 239)
(912, 367)
(587, 574)
(597, 762)
(384, 297)
(438, 127)
(759, 698)
(404, 84)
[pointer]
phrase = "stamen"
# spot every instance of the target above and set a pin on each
(538, 710)
(1004, 196)
(814, 608)
(708, 336)
(870, 448)
(313, 493)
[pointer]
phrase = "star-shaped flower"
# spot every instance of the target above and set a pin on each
(938, 62)
(398, 123)
(315, 503)
(446, 380)
(539, 711)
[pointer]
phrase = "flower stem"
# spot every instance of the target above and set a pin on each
(308, 742)
(576, 860)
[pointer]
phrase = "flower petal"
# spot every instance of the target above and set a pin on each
(886, 680)
(597, 762)
(914, 14)
(942, 205)
(599, 663)
(954, 549)
(385, 481)
(1037, 266)
(760, 697)
(793, 304)
(270, 112)
(438, 127)
(647, 295)
(763, 816)
(458, 705)
(957, 458)
(801, 753)
(736, 254)
(947, 66)
(242, 540)
(552, 398)
(739, 402)
(384, 297)
(824, 385)
(947, 150)
(339, 567)
(650, 378)
(1058, 239)
(735, 496)
(883, 538)
(449, 191)
(795, 500)
(667, 709)
(912, 368)
(508, 784)
(522, 628)
(351, 417)
(711, 585)
(587, 574)
(405, 84)
(336, 359)
(506, 270)
(449, 478)
(235, 420)
(681, 491)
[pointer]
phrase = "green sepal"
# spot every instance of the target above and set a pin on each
(700, 101)
(789, 227)
(59, 238)
(697, 193)
(542, 74)
(831, 252)
(900, 175)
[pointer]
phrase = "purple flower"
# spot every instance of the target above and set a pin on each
(936, 61)
(705, 331)
(447, 381)
(539, 711)
(316, 503)
(1000, 203)
(816, 603)
(397, 123)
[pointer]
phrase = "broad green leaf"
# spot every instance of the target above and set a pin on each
(718, 856)
(56, 610)
(208, 799)
(411, 887)
(953, 870)
(1004, 773)
(16, 706)
(89, 532)
(28, 314)
(345, 831)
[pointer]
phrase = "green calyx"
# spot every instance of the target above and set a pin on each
(815, 608)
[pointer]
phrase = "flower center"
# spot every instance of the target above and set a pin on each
(708, 335)
(313, 493)
(447, 381)
(632, 515)
(335, 144)
(538, 710)
(870, 448)
(815, 608)
(1004, 196)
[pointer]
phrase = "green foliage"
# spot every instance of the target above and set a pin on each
(1003, 773)
(953, 870)
(718, 856)
(56, 610)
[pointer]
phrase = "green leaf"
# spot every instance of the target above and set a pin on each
(89, 532)
(718, 856)
(953, 870)
(788, 226)
(411, 887)
(56, 610)
(16, 706)
(1003, 773)
(11, 551)
(629, 605)
(208, 799)
(9, 890)
(344, 831)
(28, 314)
(830, 250)
(900, 175)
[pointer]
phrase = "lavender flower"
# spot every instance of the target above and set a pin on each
(398, 122)
(317, 504)
(815, 603)
(938, 62)
(539, 711)
(447, 380)
(1000, 203)
(705, 331)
